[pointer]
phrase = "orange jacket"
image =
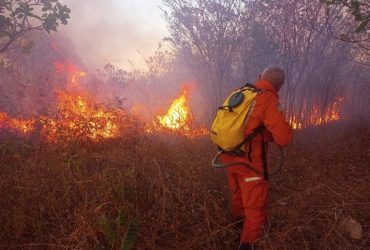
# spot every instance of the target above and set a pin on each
(268, 112)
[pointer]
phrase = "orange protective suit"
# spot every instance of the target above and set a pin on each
(249, 190)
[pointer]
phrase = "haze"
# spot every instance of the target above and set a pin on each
(114, 31)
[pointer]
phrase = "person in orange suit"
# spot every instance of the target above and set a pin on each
(249, 189)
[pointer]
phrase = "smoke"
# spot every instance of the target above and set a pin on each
(113, 31)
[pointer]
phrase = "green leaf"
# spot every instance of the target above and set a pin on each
(106, 227)
(129, 239)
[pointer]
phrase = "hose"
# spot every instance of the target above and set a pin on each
(217, 164)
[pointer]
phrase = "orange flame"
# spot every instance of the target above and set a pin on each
(74, 74)
(317, 117)
(78, 112)
(21, 125)
(177, 114)
(79, 116)
(178, 119)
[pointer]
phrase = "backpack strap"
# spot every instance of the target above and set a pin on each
(256, 131)
(239, 97)
(249, 138)
(264, 161)
(237, 151)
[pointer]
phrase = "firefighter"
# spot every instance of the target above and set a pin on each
(249, 190)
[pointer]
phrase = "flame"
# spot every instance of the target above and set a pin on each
(74, 74)
(21, 125)
(317, 116)
(79, 116)
(79, 113)
(178, 119)
(177, 114)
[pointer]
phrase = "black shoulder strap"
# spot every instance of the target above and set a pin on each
(264, 161)
(258, 130)
(255, 131)
(249, 85)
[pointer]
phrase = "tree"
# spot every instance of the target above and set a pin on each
(17, 17)
(356, 16)
(226, 42)
(318, 66)
(208, 36)
(360, 10)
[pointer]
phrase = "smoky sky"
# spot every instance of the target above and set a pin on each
(114, 31)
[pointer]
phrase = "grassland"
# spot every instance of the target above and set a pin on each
(84, 195)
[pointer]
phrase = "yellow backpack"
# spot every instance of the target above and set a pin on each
(228, 128)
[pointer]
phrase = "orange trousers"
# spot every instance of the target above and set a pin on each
(248, 202)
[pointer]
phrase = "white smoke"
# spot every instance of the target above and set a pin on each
(116, 31)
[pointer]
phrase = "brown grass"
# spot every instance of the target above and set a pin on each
(52, 195)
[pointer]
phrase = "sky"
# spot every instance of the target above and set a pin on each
(120, 32)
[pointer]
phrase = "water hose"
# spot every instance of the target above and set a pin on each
(217, 164)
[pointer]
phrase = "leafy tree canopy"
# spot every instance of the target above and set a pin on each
(18, 17)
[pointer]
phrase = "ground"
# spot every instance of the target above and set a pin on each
(87, 195)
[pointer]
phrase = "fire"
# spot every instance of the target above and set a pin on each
(317, 116)
(74, 74)
(177, 114)
(21, 125)
(79, 116)
(178, 119)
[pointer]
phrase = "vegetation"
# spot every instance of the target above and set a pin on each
(17, 17)
(81, 194)
(359, 9)
(225, 43)
(158, 190)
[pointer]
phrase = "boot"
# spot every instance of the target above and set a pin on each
(245, 246)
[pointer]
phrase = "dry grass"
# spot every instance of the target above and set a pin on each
(52, 195)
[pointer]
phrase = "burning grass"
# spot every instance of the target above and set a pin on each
(56, 194)
(81, 178)
(314, 115)
(78, 115)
